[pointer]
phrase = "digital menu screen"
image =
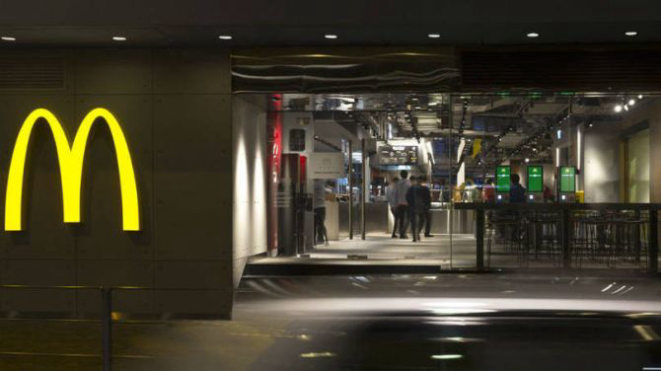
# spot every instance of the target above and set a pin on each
(503, 178)
(535, 181)
(398, 155)
(567, 179)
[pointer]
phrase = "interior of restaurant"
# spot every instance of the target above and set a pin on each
(300, 153)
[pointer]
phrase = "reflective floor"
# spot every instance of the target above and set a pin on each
(378, 322)
(455, 251)
(458, 322)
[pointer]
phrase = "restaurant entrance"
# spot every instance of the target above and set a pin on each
(332, 162)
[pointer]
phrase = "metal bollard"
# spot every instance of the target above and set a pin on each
(106, 327)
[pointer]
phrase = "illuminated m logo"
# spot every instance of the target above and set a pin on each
(71, 168)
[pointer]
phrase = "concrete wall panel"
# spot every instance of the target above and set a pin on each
(113, 71)
(45, 272)
(193, 71)
(192, 274)
(115, 273)
(192, 177)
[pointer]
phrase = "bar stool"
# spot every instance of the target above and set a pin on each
(509, 227)
(542, 232)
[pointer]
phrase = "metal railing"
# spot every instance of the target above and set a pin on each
(106, 310)
(567, 221)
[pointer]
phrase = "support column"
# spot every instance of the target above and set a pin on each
(350, 184)
(363, 192)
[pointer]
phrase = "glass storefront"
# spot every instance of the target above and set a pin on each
(333, 161)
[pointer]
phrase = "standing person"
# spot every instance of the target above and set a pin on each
(417, 206)
(402, 205)
(489, 192)
(517, 192)
(319, 204)
(427, 201)
(391, 196)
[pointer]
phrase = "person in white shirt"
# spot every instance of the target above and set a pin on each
(402, 205)
(391, 196)
(319, 204)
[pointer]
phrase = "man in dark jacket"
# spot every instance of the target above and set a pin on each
(418, 198)
(427, 214)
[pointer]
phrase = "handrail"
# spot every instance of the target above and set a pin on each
(106, 309)
(567, 209)
(554, 206)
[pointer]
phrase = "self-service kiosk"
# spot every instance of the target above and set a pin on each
(567, 184)
(503, 183)
(535, 183)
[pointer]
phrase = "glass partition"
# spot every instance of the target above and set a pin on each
(356, 156)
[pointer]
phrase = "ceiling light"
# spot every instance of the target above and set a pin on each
(434, 36)
(225, 37)
(532, 35)
(527, 160)
(626, 107)
(632, 102)
(640, 96)
(8, 38)
(447, 356)
(631, 33)
(330, 36)
(119, 38)
(618, 108)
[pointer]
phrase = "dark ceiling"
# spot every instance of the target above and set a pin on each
(300, 23)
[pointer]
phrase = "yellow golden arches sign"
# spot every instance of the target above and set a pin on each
(71, 168)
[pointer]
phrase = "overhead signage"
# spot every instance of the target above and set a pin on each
(327, 165)
(568, 179)
(535, 182)
(71, 159)
(398, 155)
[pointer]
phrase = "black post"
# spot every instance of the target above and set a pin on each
(653, 250)
(350, 181)
(566, 238)
(479, 235)
(106, 326)
(363, 186)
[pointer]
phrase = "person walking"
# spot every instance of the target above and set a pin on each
(319, 204)
(402, 204)
(427, 200)
(416, 199)
(391, 196)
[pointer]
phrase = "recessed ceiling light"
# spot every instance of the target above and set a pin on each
(330, 36)
(446, 357)
(532, 35)
(434, 36)
(225, 37)
(8, 38)
(631, 33)
(119, 38)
